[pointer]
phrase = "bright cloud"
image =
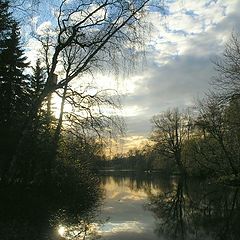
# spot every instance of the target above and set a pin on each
(178, 67)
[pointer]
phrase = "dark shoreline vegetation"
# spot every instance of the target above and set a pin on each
(49, 164)
(37, 212)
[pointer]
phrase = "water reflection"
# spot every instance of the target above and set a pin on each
(182, 208)
(144, 206)
(82, 230)
(126, 195)
(196, 210)
(42, 214)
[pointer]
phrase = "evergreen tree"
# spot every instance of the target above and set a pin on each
(37, 79)
(14, 85)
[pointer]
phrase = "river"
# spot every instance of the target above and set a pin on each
(130, 206)
(125, 208)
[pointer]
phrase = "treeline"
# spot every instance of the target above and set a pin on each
(203, 140)
(135, 159)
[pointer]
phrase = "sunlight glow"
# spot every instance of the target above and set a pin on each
(61, 230)
(56, 101)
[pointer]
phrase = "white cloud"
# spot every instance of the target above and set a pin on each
(44, 28)
(32, 50)
(179, 67)
(184, 22)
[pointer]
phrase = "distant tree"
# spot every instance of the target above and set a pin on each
(170, 129)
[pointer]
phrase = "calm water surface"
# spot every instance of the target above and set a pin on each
(152, 207)
(124, 207)
(127, 206)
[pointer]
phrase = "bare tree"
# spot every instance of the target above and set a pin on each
(87, 102)
(227, 80)
(219, 139)
(24, 10)
(91, 32)
(87, 116)
(171, 128)
(214, 122)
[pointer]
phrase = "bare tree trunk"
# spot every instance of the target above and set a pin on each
(49, 106)
(178, 159)
(59, 125)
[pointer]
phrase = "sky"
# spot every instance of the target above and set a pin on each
(177, 67)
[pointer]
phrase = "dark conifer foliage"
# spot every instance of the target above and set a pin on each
(38, 79)
(14, 84)
(5, 18)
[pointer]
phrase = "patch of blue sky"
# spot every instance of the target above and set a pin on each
(190, 13)
(178, 32)
(162, 10)
(223, 7)
(181, 32)
(170, 1)
(208, 3)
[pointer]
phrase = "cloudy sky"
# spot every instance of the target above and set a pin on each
(178, 64)
(177, 67)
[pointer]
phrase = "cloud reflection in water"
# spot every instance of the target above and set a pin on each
(124, 207)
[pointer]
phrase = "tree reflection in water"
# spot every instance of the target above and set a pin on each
(46, 214)
(185, 209)
(193, 210)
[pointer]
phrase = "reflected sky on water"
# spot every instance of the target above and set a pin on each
(130, 206)
(124, 207)
(153, 207)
